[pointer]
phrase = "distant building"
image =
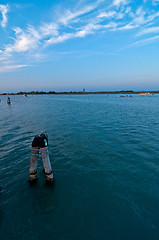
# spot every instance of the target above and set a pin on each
(83, 90)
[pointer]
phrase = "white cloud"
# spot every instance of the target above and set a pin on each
(120, 15)
(24, 41)
(119, 2)
(155, 2)
(109, 14)
(4, 10)
(11, 67)
(128, 10)
(142, 17)
(152, 16)
(88, 29)
(31, 38)
(58, 39)
(139, 17)
(146, 41)
(2, 58)
(148, 31)
(128, 26)
(79, 23)
(69, 16)
(49, 29)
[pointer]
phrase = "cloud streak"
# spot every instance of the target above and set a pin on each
(24, 41)
(149, 30)
(119, 2)
(145, 41)
(9, 68)
(79, 23)
(3, 11)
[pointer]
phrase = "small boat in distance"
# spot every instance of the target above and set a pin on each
(124, 95)
(24, 95)
(145, 94)
(128, 95)
(121, 96)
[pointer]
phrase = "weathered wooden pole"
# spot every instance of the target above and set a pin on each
(40, 144)
(33, 164)
(46, 164)
(34, 159)
(45, 157)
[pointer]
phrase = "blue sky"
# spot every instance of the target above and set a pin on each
(71, 45)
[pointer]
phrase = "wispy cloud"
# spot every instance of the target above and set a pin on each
(12, 67)
(148, 30)
(24, 41)
(142, 16)
(3, 11)
(119, 2)
(108, 14)
(48, 33)
(79, 23)
(145, 41)
(70, 16)
(99, 16)
(155, 2)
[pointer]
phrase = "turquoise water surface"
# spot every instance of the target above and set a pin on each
(104, 152)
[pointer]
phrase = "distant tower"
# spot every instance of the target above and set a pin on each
(83, 90)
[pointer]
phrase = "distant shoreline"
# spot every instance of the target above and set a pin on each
(79, 92)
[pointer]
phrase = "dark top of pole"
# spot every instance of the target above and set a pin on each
(40, 141)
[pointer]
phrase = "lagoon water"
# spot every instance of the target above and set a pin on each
(104, 152)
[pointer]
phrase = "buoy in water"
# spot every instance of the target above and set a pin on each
(40, 144)
(8, 100)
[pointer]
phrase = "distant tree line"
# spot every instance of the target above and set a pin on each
(78, 92)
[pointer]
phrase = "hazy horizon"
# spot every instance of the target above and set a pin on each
(78, 90)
